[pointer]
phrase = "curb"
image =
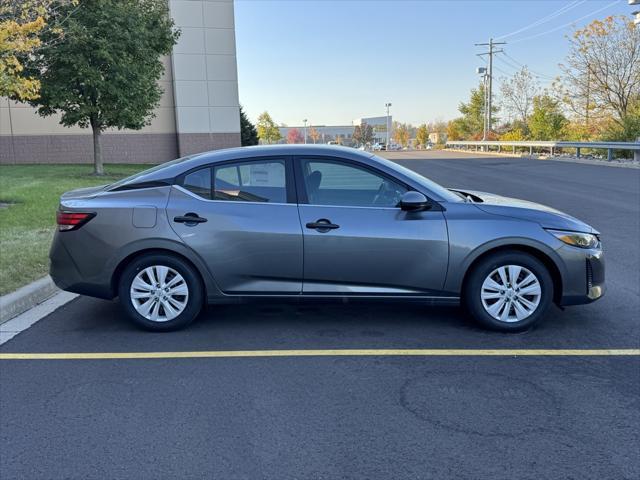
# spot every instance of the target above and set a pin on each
(25, 298)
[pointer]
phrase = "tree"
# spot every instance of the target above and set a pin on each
(473, 114)
(518, 92)
(363, 134)
(547, 121)
(268, 131)
(294, 136)
(513, 135)
(456, 129)
(401, 133)
(314, 134)
(602, 70)
(104, 71)
(22, 22)
(422, 135)
(248, 133)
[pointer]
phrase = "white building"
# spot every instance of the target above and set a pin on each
(380, 126)
(199, 110)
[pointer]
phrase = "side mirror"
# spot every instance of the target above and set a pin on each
(414, 202)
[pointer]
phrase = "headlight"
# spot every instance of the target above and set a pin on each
(576, 239)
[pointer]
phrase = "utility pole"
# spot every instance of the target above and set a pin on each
(305, 131)
(489, 94)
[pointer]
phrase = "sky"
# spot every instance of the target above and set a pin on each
(332, 61)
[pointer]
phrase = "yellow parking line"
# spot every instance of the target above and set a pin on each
(445, 352)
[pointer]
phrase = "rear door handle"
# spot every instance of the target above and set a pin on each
(322, 225)
(189, 219)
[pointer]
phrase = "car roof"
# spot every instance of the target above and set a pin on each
(278, 149)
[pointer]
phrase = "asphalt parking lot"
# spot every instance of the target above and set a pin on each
(359, 416)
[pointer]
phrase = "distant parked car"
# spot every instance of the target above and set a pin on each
(429, 146)
(309, 221)
(378, 147)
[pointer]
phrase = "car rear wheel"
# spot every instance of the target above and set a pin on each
(508, 291)
(161, 292)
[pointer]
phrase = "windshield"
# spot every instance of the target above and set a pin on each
(439, 190)
(144, 173)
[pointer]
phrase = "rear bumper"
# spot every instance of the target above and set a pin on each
(66, 275)
(584, 281)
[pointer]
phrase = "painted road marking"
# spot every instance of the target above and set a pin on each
(445, 352)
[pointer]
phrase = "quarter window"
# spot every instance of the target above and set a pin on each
(336, 183)
(251, 182)
(199, 182)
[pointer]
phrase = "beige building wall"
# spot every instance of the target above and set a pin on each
(198, 111)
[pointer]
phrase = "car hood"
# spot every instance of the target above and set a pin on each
(523, 209)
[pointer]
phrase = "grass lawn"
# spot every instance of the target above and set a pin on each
(29, 196)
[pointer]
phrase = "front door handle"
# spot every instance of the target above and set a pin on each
(322, 225)
(190, 219)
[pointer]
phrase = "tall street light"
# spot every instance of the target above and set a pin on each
(305, 130)
(387, 105)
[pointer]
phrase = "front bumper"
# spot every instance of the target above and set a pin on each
(584, 278)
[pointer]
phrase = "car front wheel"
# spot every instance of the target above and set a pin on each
(161, 292)
(508, 291)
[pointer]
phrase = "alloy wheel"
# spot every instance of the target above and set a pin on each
(511, 293)
(159, 293)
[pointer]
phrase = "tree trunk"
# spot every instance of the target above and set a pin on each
(98, 168)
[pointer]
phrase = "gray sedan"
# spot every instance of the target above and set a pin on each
(316, 222)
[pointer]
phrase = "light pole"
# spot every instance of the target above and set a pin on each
(305, 130)
(387, 105)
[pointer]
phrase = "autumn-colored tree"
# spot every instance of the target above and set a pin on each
(22, 23)
(518, 92)
(401, 133)
(314, 134)
(363, 134)
(294, 136)
(268, 131)
(422, 135)
(513, 135)
(602, 71)
(456, 129)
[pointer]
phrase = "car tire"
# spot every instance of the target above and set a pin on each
(497, 303)
(177, 295)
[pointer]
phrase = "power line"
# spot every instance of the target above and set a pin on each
(546, 19)
(566, 24)
(521, 65)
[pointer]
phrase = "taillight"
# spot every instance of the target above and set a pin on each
(72, 220)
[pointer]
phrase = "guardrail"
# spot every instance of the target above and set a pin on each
(485, 145)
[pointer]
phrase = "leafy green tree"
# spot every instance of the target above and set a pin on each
(248, 132)
(422, 135)
(104, 71)
(473, 114)
(363, 134)
(547, 122)
(268, 131)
